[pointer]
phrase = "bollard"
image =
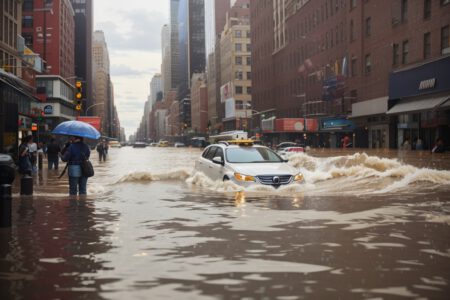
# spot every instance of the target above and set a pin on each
(26, 185)
(40, 159)
(5, 205)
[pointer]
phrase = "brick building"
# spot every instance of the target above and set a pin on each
(317, 61)
(199, 103)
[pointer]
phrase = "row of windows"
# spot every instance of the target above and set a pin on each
(238, 60)
(239, 75)
(238, 47)
(239, 90)
(239, 33)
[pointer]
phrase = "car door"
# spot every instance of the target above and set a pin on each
(208, 164)
(217, 170)
(202, 164)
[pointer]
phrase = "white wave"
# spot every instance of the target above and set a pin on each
(175, 174)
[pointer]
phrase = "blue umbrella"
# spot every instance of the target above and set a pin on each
(77, 128)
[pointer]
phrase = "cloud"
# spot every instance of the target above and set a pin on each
(124, 70)
(137, 30)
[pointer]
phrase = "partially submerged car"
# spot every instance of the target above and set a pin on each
(246, 164)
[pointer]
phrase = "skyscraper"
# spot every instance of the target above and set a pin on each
(166, 66)
(83, 45)
(101, 79)
(174, 50)
(191, 37)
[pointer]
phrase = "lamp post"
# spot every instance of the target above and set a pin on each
(96, 104)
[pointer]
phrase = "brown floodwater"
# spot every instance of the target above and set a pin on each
(371, 225)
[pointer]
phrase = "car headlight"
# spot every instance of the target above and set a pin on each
(242, 177)
(298, 177)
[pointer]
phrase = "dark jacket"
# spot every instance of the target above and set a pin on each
(53, 150)
(76, 153)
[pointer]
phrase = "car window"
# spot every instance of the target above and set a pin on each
(219, 152)
(205, 153)
(211, 153)
(252, 155)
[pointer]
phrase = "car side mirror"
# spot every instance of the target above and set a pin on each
(218, 160)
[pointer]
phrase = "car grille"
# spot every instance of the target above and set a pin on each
(269, 179)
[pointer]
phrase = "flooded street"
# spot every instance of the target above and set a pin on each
(373, 226)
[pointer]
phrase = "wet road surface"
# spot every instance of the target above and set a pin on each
(363, 226)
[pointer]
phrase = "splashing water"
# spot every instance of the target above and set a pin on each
(355, 174)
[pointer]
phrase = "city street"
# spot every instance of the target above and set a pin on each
(372, 226)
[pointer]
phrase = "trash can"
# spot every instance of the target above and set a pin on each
(7, 169)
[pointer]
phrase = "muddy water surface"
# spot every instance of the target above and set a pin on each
(363, 225)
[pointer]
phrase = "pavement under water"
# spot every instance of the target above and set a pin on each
(363, 225)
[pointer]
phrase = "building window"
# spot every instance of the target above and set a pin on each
(368, 64)
(238, 90)
(445, 48)
(239, 75)
(353, 67)
(368, 26)
(405, 52)
(395, 55)
(28, 37)
(352, 4)
(249, 48)
(249, 59)
(238, 33)
(444, 2)
(426, 45)
(238, 47)
(27, 5)
(27, 22)
(249, 90)
(238, 60)
(404, 10)
(427, 9)
(239, 104)
(352, 31)
(249, 75)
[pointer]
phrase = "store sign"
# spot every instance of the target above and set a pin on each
(226, 92)
(290, 124)
(337, 124)
(427, 84)
(48, 110)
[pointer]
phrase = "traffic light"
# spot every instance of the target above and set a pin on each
(78, 94)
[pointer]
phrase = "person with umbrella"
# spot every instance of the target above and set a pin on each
(74, 155)
(77, 153)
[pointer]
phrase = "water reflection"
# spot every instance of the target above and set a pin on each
(153, 228)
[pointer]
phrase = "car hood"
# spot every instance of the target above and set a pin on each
(255, 169)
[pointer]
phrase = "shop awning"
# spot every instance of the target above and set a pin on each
(418, 105)
(370, 107)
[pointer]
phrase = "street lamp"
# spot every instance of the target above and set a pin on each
(85, 113)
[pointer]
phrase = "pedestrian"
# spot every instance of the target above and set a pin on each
(53, 152)
(25, 167)
(346, 141)
(101, 151)
(32, 149)
(419, 144)
(406, 144)
(75, 153)
(439, 146)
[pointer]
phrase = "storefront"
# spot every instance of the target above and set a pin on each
(420, 99)
(15, 112)
(374, 129)
(334, 130)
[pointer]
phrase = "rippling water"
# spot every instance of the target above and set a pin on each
(373, 225)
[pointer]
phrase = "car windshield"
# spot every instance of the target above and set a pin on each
(252, 155)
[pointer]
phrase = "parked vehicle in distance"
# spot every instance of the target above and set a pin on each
(139, 145)
(114, 144)
(163, 143)
(286, 152)
(246, 164)
(199, 142)
(179, 145)
(154, 145)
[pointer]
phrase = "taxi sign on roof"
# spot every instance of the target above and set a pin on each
(246, 142)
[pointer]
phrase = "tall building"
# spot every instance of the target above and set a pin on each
(235, 69)
(83, 45)
(101, 79)
(215, 19)
(156, 88)
(166, 65)
(199, 103)
(49, 30)
(191, 37)
(16, 96)
(335, 68)
(174, 43)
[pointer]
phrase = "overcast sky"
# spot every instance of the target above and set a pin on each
(133, 33)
